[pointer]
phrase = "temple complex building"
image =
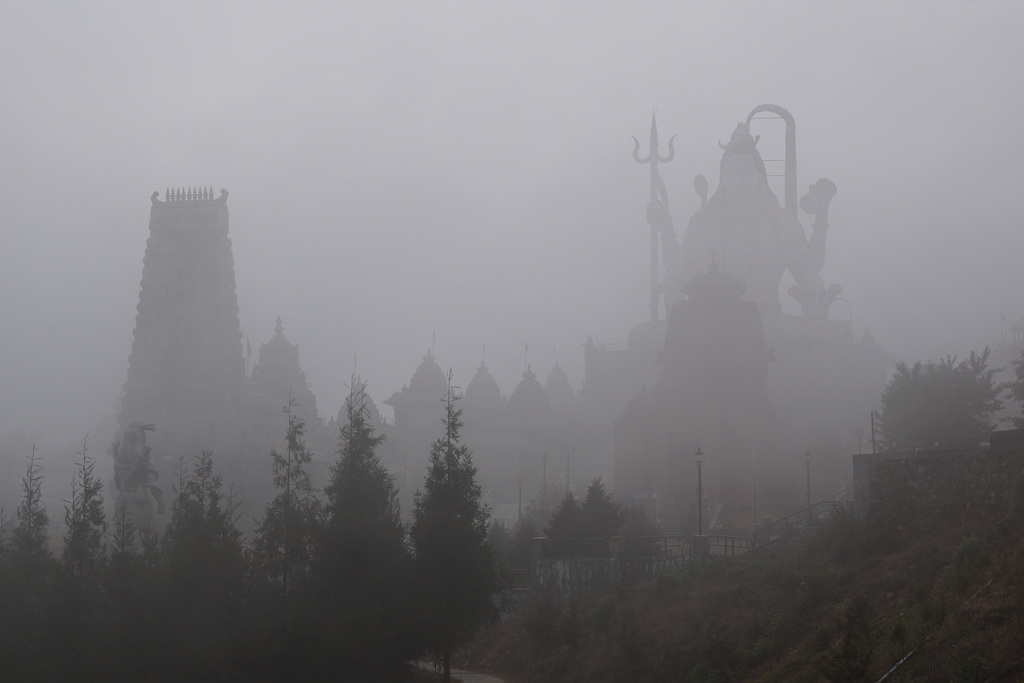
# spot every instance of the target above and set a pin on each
(277, 385)
(512, 439)
(186, 372)
(276, 379)
(727, 368)
(419, 415)
(770, 398)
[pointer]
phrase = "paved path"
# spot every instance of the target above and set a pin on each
(465, 676)
(470, 677)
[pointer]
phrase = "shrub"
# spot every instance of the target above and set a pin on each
(970, 669)
(542, 620)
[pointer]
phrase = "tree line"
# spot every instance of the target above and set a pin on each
(332, 585)
(329, 587)
(946, 404)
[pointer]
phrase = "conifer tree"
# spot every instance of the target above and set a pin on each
(284, 538)
(26, 578)
(361, 494)
(29, 542)
(456, 566)
(85, 519)
(123, 539)
(1016, 386)
(203, 552)
(600, 515)
(5, 532)
(362, 567)
(565, 521)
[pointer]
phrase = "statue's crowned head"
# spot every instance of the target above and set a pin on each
(742, 175)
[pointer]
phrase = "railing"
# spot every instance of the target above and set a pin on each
(643, 546)
(798, 520)
(682, 546)
(729, 545)
(656, 546)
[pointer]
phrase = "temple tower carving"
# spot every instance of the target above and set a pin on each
(186, 372)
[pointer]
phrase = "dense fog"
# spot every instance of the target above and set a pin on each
(459, 176)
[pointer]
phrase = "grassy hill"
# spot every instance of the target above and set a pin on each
(845, 603)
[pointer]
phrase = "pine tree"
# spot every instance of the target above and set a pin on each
(565, 521)
(85, 519)
(600, 516)
(1017, 387)
(566, 529)
(26, 586)
(456, 567)
(203, 553)
(361, 493)
(123, 540)
(29, 541)
(5, 533)
(284, 538)
(362, 567)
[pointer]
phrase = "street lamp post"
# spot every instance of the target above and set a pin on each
(544, 485)
(755, 496)
(698, 457)
(807, 459)
(873, 415)
(519, 508)
(567, 474)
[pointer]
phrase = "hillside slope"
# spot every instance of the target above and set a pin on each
(845, 603)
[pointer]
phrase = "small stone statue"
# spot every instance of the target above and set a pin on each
(135, 476)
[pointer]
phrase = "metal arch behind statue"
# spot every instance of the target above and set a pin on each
(790, 194)
(819, 196)
(657, 190)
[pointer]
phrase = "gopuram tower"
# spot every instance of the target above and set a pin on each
(186, 372)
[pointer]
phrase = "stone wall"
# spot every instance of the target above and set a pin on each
(923, 489)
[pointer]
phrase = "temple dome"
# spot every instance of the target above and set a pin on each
(560, 393)
(278, 378)
(483, 388)
(278, 359)
(373, 416)
(483, 399)
(429, 380)
(529, 400)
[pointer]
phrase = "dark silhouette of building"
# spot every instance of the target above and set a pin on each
(186, 372)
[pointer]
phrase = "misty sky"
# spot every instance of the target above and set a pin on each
(463, 169)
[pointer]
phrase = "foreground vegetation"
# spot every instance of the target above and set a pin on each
(846, 603)
(332, 588)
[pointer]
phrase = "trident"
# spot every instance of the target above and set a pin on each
(657, 189)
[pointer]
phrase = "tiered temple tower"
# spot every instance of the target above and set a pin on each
(186, 373)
